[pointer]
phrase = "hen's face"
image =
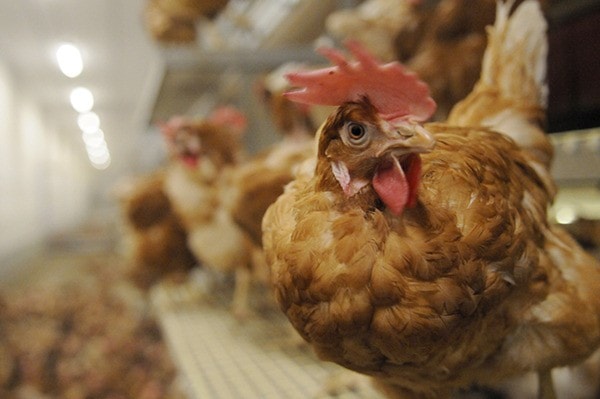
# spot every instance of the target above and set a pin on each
(198, 143)
(366, 152)
(187, 146)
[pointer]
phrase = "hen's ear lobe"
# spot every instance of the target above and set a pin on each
(349, 185)
(342, 174)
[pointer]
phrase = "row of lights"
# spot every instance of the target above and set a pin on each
(82, 100)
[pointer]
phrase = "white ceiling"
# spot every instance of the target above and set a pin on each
(121, 64)
(124, 68)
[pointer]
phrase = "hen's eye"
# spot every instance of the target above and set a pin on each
(356, 131)
(357, 134)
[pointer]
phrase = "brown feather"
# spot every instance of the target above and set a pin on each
(158, 239)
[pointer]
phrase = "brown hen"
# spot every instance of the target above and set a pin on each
(420, 254)
(259, 181)
(197, 182)
(156, 237)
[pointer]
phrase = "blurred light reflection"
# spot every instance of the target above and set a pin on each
(69, 60)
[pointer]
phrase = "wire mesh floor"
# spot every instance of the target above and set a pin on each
(260, 358)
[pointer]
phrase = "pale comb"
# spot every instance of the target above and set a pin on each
(229, 117)
(169, 128)
(394, 91)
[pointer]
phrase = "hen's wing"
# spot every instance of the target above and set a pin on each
(563, 328)
(510, 97)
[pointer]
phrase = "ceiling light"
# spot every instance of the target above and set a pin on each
(566, 215)
(97, 151)
(93, 138)
(102, 165)
(100, 161)
(89, 122)
(69, 60)
(82, 99)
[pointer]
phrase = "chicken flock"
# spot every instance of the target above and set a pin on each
(416, 253)
(89, 335)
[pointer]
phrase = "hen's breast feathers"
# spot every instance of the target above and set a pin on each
(442, 289)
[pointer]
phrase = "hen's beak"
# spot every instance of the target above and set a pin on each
(406, 137)
(398, 172)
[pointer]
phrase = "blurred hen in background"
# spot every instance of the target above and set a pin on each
(203, 156)
(442, 41)
(175, 21)
(155, 239)
(260, 180)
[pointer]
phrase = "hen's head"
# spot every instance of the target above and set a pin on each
(371, 143)
(193, 142)
(366, 153)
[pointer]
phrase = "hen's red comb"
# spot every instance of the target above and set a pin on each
(230, 117)
(394, 91)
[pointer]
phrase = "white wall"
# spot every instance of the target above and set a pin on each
(43, 181)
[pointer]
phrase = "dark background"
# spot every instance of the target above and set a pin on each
(574, 65)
